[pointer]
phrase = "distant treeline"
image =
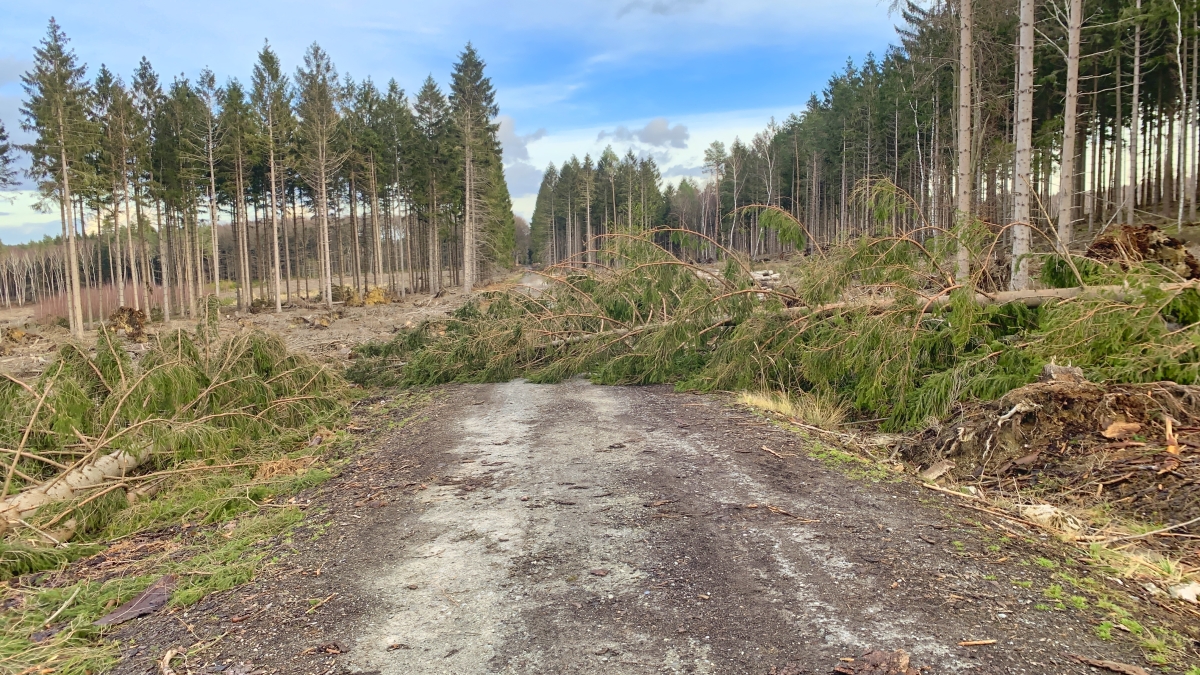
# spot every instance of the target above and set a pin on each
(312, 181)
(978, 112)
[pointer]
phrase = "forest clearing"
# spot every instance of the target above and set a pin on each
(907, 383)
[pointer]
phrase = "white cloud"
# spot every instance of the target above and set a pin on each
(516, 146)
(523, 179)
(679, 171)
(559, 146)
(19, 222)
(657, 132)
(659, 7)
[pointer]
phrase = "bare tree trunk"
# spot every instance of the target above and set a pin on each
(469, 222)
(287, 251)
(376, 235)
(435, 257)
(274, 208)
(1066, 179)
(359, 282)
(134, 281)
(1193, 127)
(1024, 150)
(76, 314)
(163, 263)
(1179, 47)
(1131, 190)
(591, 247)
(965, 71)
(214, 217)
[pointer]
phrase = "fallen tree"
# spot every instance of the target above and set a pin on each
(878, 323)
(92, 422)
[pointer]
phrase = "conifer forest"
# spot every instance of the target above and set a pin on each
(313, 375)
(305, 183)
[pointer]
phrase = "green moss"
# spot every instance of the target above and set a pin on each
(1133, 626)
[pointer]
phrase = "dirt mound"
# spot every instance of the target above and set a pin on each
(1128, 243)
(1070, 441)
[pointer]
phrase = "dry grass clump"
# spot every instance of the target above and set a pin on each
(285, 466)
(817, 409)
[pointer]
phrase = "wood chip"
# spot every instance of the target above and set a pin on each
(1123, 668)
(1121, 429)
(150, 600)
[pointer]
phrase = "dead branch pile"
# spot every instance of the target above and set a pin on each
(1068, 441)
(1129, 244)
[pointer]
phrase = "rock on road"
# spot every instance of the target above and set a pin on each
(575, 528)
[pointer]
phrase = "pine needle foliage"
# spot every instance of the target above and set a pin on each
(190, 397)
(878, 323)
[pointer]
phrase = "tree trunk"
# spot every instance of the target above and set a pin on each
(1066, 179)
(214, 216)
(1131, 189)
(376, 235)
(1180, 50)
(1024, 150)
(163, 263)
(76, 314)
(470, 218)
(274, 208)
(965, 71)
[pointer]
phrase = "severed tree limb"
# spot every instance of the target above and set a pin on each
(1030, 298)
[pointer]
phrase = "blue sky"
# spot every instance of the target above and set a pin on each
(664, 77)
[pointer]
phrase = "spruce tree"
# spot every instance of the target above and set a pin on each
(317, 107)
(8, 159)
(433, 163)
(55, 109)
(473, 101)
(272, 100)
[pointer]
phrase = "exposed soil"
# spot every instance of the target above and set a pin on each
(573, 528)
(1083, 444)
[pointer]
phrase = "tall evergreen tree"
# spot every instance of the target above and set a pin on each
(55, 109)
(433, 166)
(473, 101)
(317, 107)
(272, 101)
(8, 160)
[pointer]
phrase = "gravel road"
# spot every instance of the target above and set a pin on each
(575, 528)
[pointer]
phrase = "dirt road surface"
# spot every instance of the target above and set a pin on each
(573, 528)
